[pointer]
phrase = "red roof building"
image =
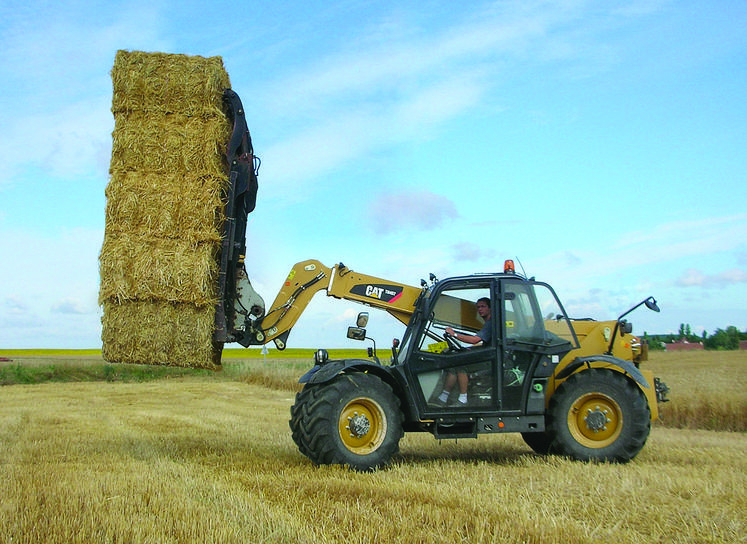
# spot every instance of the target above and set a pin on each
(684, 345)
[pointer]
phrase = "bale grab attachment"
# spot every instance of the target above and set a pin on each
(238, 304)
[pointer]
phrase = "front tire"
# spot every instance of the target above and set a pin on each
(599, 415)
(299, 411)
(353, 420)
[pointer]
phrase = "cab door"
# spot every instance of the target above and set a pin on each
(535, 335)
(437, 365)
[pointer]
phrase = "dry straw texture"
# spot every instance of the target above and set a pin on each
(162, 83)
(114, 462)
(159, 332)
(159, 259)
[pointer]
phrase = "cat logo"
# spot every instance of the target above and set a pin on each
(383, 292)
(374, 292)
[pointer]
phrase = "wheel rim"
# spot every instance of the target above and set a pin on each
(362, 426)
(595, 420)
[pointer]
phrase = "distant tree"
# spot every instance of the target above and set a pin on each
(724, 339)
(654, 342)
(733, 337)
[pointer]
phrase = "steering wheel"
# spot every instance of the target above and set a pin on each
(452, 342)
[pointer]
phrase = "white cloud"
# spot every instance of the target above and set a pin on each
(380, 63)
(347, 315)
(49, 285)
(70, 305)
(345, 134)
(68, 143)
(376, 94)
(664, 243)
(14, 304)
(73, 44)
(472, 252)
(691, 278)
(697, 231)
(436, 103)
(412, 210)
(56, 66)
(602, 280)
(696, 278)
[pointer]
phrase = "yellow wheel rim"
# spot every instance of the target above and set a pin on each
(595, 420)
(362, 426)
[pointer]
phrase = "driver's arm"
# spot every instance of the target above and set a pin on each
(466, 338)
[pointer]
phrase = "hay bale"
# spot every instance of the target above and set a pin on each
(166, 143)
(164, 211)
(157, 332)
(138, 267)
(135, 203)
(165, 83)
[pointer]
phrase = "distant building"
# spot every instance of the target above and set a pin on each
(684, 345)
(743, 344)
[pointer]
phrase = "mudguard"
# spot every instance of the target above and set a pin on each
(627, 366)
(326, 372)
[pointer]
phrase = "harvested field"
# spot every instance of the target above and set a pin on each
(210, 457)
(709, 389)
(186, 460)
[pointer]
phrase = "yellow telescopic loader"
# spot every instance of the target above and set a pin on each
(571, 387)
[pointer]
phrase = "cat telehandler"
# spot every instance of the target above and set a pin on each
(572, 387)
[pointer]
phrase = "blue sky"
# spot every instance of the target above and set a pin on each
(601, 143)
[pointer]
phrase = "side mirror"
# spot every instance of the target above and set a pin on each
(362, 320)
(626, 327)
(359, 333)
(356, 333)
(650, 303)
(623, 325)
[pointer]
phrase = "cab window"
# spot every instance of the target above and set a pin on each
(533, 315)
(455, 308)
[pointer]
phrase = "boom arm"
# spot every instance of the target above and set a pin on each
(309, 277)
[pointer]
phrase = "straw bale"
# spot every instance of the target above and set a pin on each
(166, 83)
(148, 142)
(163, 333)
(136, 267)
(168, 206)
(164, 211)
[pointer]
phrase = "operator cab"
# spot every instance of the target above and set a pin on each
(528, 333)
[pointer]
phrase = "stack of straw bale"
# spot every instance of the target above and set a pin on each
(159, 260)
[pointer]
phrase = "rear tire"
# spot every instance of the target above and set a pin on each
(353, 420)
(599, 415)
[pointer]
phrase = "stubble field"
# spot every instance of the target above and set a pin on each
(209, 457)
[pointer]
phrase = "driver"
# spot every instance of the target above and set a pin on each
(484, 335)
